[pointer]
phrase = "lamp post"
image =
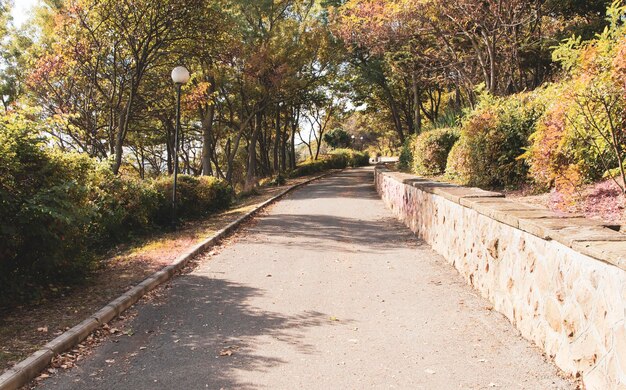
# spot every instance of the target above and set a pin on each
(180, 75)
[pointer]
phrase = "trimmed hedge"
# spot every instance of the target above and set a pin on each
(405, 160)
(431, 149)
(58, 211)
(337, 159)
(493, 137)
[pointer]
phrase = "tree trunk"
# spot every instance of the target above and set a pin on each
(417, 115)
(207, 133)
(283, 147)
(252, 166)
(276, 163)
(122, 130)
(292, 155)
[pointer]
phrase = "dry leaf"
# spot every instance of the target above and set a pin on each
(43, 329)
(226, 352)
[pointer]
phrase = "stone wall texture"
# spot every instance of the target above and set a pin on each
(559, 279)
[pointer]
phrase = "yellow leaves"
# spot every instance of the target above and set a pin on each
(198, 95)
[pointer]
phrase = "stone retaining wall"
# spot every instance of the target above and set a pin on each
(560, 280)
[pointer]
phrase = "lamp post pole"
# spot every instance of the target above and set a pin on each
(174, 202)
(180, 75)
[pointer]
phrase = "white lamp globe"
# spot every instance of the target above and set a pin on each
(180, 75)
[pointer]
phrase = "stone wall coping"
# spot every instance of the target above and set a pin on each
(596, 239)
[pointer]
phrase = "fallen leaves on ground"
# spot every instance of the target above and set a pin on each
(228, 351)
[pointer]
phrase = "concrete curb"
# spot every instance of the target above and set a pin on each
(28, 369)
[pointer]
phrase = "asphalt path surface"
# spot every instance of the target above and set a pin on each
(326, 290)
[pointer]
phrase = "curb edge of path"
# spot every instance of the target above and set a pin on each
(28, 369)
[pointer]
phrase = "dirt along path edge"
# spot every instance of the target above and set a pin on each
(26, 370)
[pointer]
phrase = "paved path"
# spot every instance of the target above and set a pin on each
(325, 291)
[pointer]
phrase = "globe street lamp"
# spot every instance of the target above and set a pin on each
(180, 76)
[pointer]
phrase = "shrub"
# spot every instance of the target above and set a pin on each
(45, 213)
(405, 160)
(125, 207)
(492, 139)
(431, 149)
(458, 159)
(309, 168)
(58, 211)
(196, 197)
(353, 158)
(580, 139)
(337, 159)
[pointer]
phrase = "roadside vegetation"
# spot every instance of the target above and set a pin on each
(526, 97)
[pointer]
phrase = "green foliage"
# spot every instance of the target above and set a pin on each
(337, 138)
(353, 158)
(405, 161)
(431, 149)
(492, 138)
(197, 196)
(45, 212)
(58, 211)
(580, 138)
(337, 159)
(125, 207)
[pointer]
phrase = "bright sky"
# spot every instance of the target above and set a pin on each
(21, 11)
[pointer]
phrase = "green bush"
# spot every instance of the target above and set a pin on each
(58, 211)
(405, 161)
(431, 149)
(337, 159)
(196, 197)
(45, 212)
(353, 158)
(493, 137)
(125, 207)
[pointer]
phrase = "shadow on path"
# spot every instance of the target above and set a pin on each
(354, 183)
(177, 340)
(328, 232)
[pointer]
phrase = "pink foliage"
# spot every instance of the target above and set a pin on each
(604, 199)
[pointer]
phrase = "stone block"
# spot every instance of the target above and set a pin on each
(104, 315)
(587, 350)
(83, 329)
(455, 194)
(608, 251)
(619, 346)
(552, 314)
(121, 303)
(568, 235)
(13, 379)
(597, 379)
(35, 363)
(63, 342)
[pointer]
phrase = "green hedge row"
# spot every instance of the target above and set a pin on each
(337, 159)
(58, 211)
